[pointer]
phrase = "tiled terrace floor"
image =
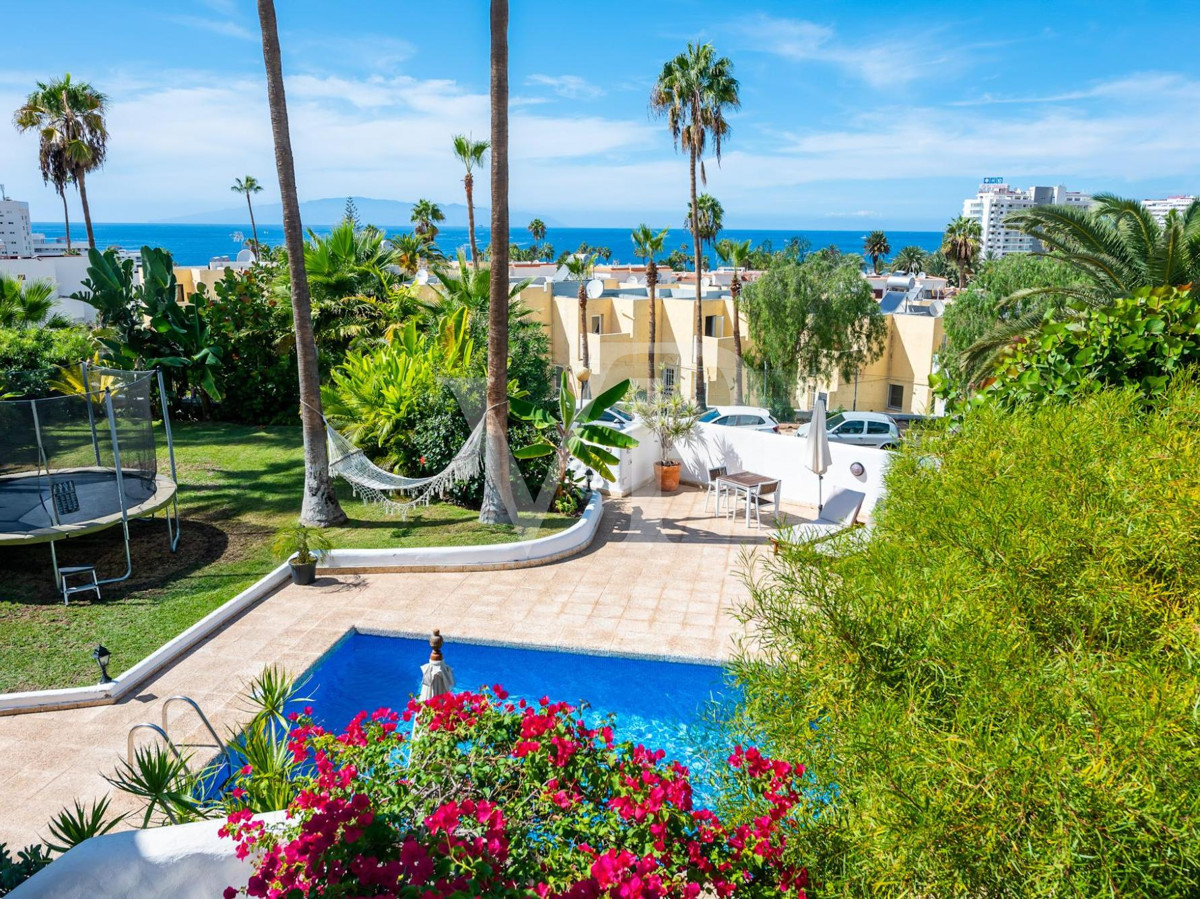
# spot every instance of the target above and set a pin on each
(660, 578)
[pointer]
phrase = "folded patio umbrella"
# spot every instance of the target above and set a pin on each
(819, 458)
(436, 676)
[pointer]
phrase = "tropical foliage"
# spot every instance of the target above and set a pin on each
(647, 244)
(814, 319)
(1142, 341)
(247, 187)
(997, 691)
(470, 153)
(29, 357)
(911, 259)
(580, 268)
(671, 417)
(961, 245)
(876, 248)
(27, 304)
(505, 799)
(737, 255)
(426, 216)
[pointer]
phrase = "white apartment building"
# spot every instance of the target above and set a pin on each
(1160, 208)
(16, 238)
(996, 199)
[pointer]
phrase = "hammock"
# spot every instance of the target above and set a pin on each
(373, 485)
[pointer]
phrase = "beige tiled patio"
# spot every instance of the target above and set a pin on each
(661, 578)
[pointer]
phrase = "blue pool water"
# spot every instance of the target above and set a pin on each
(663, 705)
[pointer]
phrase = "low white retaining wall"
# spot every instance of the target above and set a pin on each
(497, 555)
(186, 861)
(774, 455)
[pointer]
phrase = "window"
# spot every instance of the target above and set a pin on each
(597, 324)
(834, 421)
(878, 427)
(850, 428)
(714, 326)
(895, 396)
(710, 416)
(668, 379)
(556, 384)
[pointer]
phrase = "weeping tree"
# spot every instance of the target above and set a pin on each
(320, 507)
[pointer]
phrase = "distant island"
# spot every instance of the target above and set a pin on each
(329, 211)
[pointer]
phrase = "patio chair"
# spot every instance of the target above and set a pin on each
(837, 515)
(757, 498)
(713, 489)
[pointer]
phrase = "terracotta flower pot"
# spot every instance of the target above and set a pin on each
(667, 475)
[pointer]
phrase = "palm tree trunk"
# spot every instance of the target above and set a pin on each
(584, 349)
(498, 507)
(62, 192)
(87, 212)
(469, 182)
(699, 323)
(652, 283)
(253, 227)
(735, 288)
(320, 507)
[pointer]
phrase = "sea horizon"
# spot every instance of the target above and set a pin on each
(195, 245)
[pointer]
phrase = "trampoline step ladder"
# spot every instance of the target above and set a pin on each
(85, 573)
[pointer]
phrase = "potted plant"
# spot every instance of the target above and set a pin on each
(671, 418)
(303, 547)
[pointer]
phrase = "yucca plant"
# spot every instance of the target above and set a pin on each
(72, 826)
(270, 695)
(163, 780)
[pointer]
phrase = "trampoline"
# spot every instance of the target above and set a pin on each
(84, 462)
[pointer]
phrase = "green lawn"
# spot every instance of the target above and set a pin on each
(238, 485)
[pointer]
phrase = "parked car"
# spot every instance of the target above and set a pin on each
(751, 417)
(615, 417)
(860, 429)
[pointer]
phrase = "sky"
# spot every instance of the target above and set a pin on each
(853, 115)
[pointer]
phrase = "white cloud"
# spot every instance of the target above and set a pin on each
(224, 27)
(572, 87)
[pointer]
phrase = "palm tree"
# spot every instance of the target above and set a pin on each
(320, 506)
(961, 245)
(247, 186)
(73, 137)
(408, 251)
(736, 254)
(711, 218)
(646, 245)
(537, 230)
(348, 263)
(470, 154)
(876, 247)
(580, 268)
(911, 259)
(24, 304)
(425, 215)
(499, 506)
(1116, 245)
(694, 91)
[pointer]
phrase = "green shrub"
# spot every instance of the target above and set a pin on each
(1004, 683)
(30, 357)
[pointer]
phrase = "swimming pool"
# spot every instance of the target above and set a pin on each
(668, 705)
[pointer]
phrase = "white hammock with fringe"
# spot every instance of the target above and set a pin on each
(374, 485)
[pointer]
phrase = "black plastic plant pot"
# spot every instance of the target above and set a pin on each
(304, 573)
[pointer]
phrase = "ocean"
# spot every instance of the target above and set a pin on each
(197, 244)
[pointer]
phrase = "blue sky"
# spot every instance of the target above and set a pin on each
(853, 114)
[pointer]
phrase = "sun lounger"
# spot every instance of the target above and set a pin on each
(838, 514)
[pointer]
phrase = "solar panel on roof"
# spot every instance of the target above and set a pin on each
(891, 302)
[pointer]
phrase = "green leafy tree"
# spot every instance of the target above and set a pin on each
(810, 320)
(425, 217)
(961, 244)
(26, 304)
(911, 260)
(408, 252)
(708, 222)
(470, 153)
(694, 92)
(72, 137)
(577, 432)
(647, 244)
(537, 230)
(247, 187)
(580, 269)
(875, 248)
(736, 254)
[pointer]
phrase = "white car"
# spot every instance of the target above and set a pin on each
(615, 417)
(751, 417)
(860, 429)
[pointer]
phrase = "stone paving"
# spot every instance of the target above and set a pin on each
(661, 578)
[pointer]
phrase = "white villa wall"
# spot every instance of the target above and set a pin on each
(66, 273)
(774, 455)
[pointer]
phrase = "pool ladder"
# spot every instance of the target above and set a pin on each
(162, 731)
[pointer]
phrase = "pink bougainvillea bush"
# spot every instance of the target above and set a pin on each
(493, 798)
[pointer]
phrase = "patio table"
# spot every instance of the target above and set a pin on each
(747, 482)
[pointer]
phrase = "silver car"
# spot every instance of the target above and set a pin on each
(860, 429)
(752, 417)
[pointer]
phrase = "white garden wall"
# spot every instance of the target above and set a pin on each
(774, 455)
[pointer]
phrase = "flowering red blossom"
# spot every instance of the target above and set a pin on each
(495, 799)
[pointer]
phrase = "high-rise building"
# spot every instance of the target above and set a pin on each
(16, 238)
(1160, 208)
(996, 199)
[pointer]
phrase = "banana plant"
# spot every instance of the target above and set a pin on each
(577, 432)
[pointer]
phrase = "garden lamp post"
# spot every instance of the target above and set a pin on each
(102, 655)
